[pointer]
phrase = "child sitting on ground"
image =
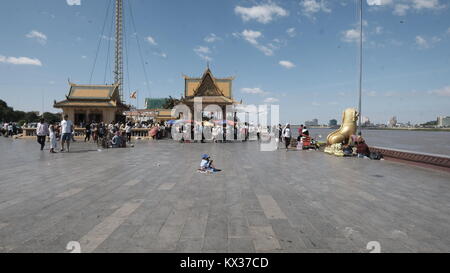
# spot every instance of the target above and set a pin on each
(206, 165)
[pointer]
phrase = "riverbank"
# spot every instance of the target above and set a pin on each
(384, 129)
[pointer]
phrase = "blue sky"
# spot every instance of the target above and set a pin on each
(300, 54)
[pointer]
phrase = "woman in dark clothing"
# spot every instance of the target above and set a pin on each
(362, 149)
(88, 132)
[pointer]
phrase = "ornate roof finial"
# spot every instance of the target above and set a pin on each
(207, 64)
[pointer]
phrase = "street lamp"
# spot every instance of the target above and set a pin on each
(360, 62)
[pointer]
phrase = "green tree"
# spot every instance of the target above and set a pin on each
(51, 117)
(170, 103)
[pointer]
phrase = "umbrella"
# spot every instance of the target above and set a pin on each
(171, 122)
(222, 122)
(183, 121)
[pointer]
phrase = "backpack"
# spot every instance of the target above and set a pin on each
(375, 156)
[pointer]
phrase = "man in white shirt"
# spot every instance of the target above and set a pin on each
(42, 132)
(66, 132)
(287, 135)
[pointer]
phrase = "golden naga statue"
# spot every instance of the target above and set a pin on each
(348, 128)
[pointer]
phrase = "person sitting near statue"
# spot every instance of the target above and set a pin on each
(362, 149)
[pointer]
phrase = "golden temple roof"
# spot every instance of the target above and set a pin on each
(92, 96)
(208, 85)
(89, 92)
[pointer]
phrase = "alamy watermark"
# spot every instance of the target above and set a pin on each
(235, 123)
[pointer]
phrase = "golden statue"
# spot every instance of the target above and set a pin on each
(348, 128)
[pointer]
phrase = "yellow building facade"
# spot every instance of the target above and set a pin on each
(93, 103)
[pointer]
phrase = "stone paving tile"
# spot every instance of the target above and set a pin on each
(264, 238)
(261, 202)
(241, 245)
(189, 245)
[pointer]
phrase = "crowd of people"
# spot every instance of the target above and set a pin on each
(119, 134)
(9, 129)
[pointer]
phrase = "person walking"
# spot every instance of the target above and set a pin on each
(53, 142)
(42, 132)
(66, 131)
(287, 135)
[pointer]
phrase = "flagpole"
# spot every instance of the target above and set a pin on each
(360, 63)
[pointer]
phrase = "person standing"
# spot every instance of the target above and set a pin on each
(300, 133)
(128, 131)
(287, 136)
(280, 132)
(42, 132)
(10, 130)
(66, 131)
(88, 132)
(53, 143)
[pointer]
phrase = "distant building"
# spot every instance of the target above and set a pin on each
(443, 121)
(392, 122)
(93, 103)
(365, 121)
(314, 122)
(332, 123)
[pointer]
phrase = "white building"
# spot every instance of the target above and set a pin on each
(443, 121)
(392, 122)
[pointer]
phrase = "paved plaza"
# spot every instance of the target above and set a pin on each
(151, 199)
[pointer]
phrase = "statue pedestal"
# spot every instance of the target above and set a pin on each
(335, 149)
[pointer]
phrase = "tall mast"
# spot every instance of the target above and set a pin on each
(360, 61)
(118, 71)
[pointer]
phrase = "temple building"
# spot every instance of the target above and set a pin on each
(218, 91)
(93, 103)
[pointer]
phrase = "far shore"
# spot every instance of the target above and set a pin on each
(381, 128)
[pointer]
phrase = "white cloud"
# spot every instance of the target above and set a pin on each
(351, 36)
(262, 13)
(271, 100)
(443, 92)
(252, 37)
(151, 40)
(84, 57)
(73, 2)
(161, 54)
(401, 9)
(203, 52)
(427, 4)
(20, 60)
(424, 43)
(379, 2)
(311, 7)
(39, 36)
(211, 38)
(287, 64)
(379, 30)
(255, 91)
(291, 32)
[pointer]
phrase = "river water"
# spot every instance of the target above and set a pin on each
(419, 141)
